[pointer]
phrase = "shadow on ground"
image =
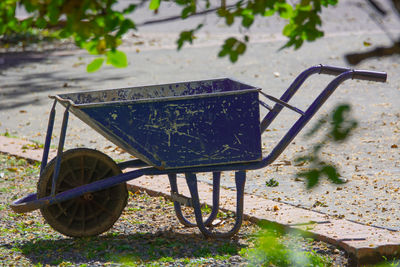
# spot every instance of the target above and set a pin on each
(15, 59)
(163, 246)
(28, 76)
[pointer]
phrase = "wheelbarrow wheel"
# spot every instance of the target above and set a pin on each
(92, 213)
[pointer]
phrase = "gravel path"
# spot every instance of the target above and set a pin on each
(147, 233)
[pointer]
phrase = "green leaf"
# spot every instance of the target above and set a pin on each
(234, 48)
(247, 20)
(306, 8)
(325, 3)
(272, 183)
(91, 47)
(288, 29)
(223, 52)
(65, 33)
(229, 19)
(129, 9)
(241, 48)
(187, 11)
(125, 26)
(154, 4)
(54, 11)
(285, 10)
(41, 23)
(269, 13)
(332, 174)
(117, 59)
(95, 65)
(342, 124)
(233, 57)
(312, 177)
(187, 36)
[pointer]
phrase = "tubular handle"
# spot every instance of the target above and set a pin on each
(375, 76)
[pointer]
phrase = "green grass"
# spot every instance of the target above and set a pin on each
(227, 249)
(7, 134)
(272, 183)
(270, 250)
(389, 262)
(205, 209)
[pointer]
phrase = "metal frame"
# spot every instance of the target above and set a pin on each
(30, 202)
(177, 204)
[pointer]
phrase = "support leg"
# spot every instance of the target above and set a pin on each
(215, 206)
(60, 151)
(240, 179)
(48, 137)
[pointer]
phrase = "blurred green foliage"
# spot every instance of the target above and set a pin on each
(93, 24)
(270, 249)
(98, 27)
(338, 128)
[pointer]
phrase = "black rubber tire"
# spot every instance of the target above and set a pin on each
(92, 213)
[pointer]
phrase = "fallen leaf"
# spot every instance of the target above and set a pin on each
(366, 43)
(12, 169)
(78, 64)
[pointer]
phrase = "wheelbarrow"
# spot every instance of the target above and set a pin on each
(207, 126)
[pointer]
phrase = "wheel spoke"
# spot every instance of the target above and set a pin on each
(82, 180)
(63, 210)
(92, 211)
(72, 216)
(71, 184)
(65, 185)
(72, 172)
(90, 176)
(103, 197)
(101, 207)
(83, 218)
(107, 174)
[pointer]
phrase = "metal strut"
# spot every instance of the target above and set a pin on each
(60, 151)
(240, 179)
(215, 206)
(47, 141)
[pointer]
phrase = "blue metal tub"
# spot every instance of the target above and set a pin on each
(177, 125)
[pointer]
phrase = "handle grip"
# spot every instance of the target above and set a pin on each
(376, 76)
(332, 70)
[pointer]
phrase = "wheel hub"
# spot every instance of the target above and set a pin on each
(88, 196)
